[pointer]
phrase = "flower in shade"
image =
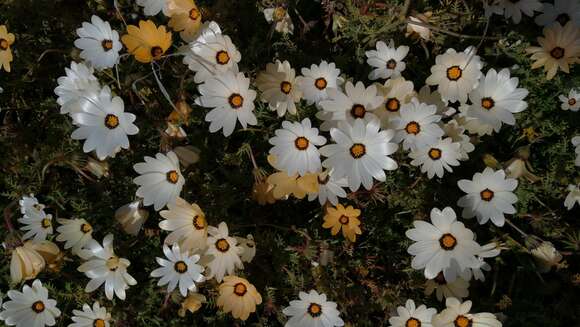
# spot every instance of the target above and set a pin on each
(417, 125)
(570, 102)
(312, 310)
(412, 316)
(387, 60)
(96, 316)
(434, 98)
(185, 18)
(187, 225)
(99, 44)
(457, 134)
(50, 252)
(489, 250)
(131, 217)
(279, 88)
(6, 40)
(160, 181)
(358, 102)
(31, 307)
(146, 42)
(248, 246)
(396, 92)
(29, 205)
(238, 296)
(25, 263)
(562, 12)
(436, 158)
(345, 219)
(576, 144)
(179, 270)
(559, 48)
(457, 315)
(37, 226)
(317, 80)
(514, 8)
(71, 88)
(76, 233)
(329, 188)
(546, 256)
(280, 18)
(573, 197)
(191, 303)
(153, 7)
(225, 252)
(459, 288)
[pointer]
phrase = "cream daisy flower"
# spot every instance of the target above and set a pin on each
(29, 205)
(387, 61)
(559, 48)
(280, 18)
(417, 126)
(185, 18)
(570, 102)
(248, 246)
(37, 226)
(573, 197)
(295, 147)
(562, 12)
(238, 296)
(445, 245)
(489, 250)
(187, 225)
(357, 102)
(459, 288)
(225, 252)
(317, 80)
(104, 124)
(153, 7)
(96, 316)
(31, 307)
(99, 44)
(396, 92)
(232, 100)
(457, 315)
(211, 54)
(497, 98)
(576, 144)
(434, 98)
(312, 310)
(76, 233)
(457, 134)
(412, 316)
(278, 87)
(104, 267)
(161, 181)
(435, 159)
(360, 154)
(329, 188)
(343, 218)
(78, 80)
(180, 269)
(514, 8)
(456, 74)
(489, 196)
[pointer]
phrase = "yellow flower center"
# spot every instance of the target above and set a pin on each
(435, 154)
(86, 228)
(99, 323)
(38, 306)
(4, 44)
(413, 128)
(301, 143)
(46, 223)
(180, 267)
(222, 245)
(156, 52)
(314, 309)
(107, 45)
(222, 57)
(111, 121)
(486, 195)
(572, 102)
(194, 14)
(487, 103)
(462, 321)
(358, 150)
(286, 87)
(172, 176)
(358, 111)
(448, 242)
(412, 322)
(320, 83)
(236, 101)
(454, 73)
(279, 14)
(240, 289)
(391, 64)
(343, 220)
(393, 105)
(113, 263)
(198, 222)
(557, 53)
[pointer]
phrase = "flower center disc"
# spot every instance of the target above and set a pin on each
(222, 245)
(448, 242)
(358, 111)
(486, 195)
(111, 121)
(358, 150)
(462, 321)
(435, 154)
(172, 177)
(320, 83)
(194, 14)
(557, 53)
(38, 306)
(301, 143)
(107, 45)
(236, 101)
(454, 73)
(487, 103)
(286, 87)
(393, 105)
(343, 220)
(46, 223)
(156, 52)
(314, 309)
(3, 44)
(180, 267)
(413, 128)
(222, 57)
(113, 263)
(412, 322)
(198, 222)
(86, 228)
(240, 289)
(99, 323)
(391, 64)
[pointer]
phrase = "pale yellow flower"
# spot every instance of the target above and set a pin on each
(25, 264)
(191, 303)
(6, 40)
(185, 18)
(147, 42)
(238, 296)
(343, 218)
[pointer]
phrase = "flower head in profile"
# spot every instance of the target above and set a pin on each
(147, 42)
(457, 315)
(191, 303)
(179, 270)
(561, 12)
(224, 251)
(238, 296)
(345, 219)
(280, 18)
(29, 205)
(71, 88)
(573, 197)
(570, 102)
(6, 40)
(95, 316)
(185, 18)
(76, 233)
(317, 80)
(26, 263)
(412, 316)
(99, 43)
(187, 225)
(312, 310)
(31, 307)
(416, 28)
(278, 86)
(387, 60)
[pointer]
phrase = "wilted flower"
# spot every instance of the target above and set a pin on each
(6, 40)
(546, 256)
(175, 131)
(191, 303)
(97, 167)
(519, 166)
(131, 217)
(279, 16)
(50, 252)
(25, 264)
(416, 30)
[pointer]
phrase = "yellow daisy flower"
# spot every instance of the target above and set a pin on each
(185, 18)
(6, 40)
(295, 185)
(238, 296)
(147, 42)
(343, 218)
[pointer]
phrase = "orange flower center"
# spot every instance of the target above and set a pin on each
(454, 73)
(240, 289)
(486, 195)
(462, 321)
(391, 64)
(279, 14)
(343, 220)
(358, 150)
(487, 103)
(358, 111)
(393, 105)
(194, 14)
(99, 323)
(448, 242)
(180, 267)
(198, 222)
(320, 83)
(236, 101)
(222, 57)
(107, 45)
(172, 176)
(285, 87)
(315, 310)
(4, 44)
(46, 223)
(412, 322)
(413, 128)
(301, 143)
(222, 245)
(156, 52)
(435, 154)
(557, 53)
(86, 228)
(111, 121)
(38, 306)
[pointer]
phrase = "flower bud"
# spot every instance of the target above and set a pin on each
(191, 303)
(25, 264)
(50, 252)
(131, 217)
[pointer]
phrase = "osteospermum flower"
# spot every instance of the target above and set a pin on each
(79, 80)
(573, 197)
(357, 102)
(559, 48)
(104, 267)
(360, 154)
(562, 12)
(185, 18)
(31, 307)
(37, 225)
(387, 61)
(153, 7)
(225, 252)
(295, 147)
(459, 288)
(396, 92)
(312, 310)
(278, 87)
(317, 80)
(497, 98)
(238, 296)
(444, 245)
(416, 125)
(280, 18)
(29, 205)
(6, 40)
(161, 181)
(329, 188)
(187, 225)
(435, 159)
(103, 124)
(412, 316)
(489, 196)
(99, 43)
(345, 219)
(514, 8)
(76, 233)
(96, 316)
(456, 74)
(179, 270)
(457, 315)
(570, 102)
(232, 100)
(146, 42)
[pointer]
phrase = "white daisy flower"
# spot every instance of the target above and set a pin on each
(153, 7)
(104, 124)
(211, 54)
(29, 205)
(417, 126)
(562, 12)
(232, 99)
(180, 269)
(576, 144)
(96, 316)
(436, 158)
(357, 102)
(396, 92)
(459, 288)
(317, 80)
(573, 197)
(457, 134)
(78, 80)
(434, 98)
(76, 233)
(456, 74)
(312, 310)
(279, 16)
(360, 154)
(570, 102)
(37, 226)
(412, 316)
(445, 245)
(295, 147)
(161, 180)
(278, 87)
(514, 8)
(248, 246)
(104, 267)
(489, 250)
(99, 44)
(187, 225)
(224, 251)
(387, 60)
(472, 125)
(489, 196)
(457, 315)
(329, 188)
(497, 98)
(31, 307)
